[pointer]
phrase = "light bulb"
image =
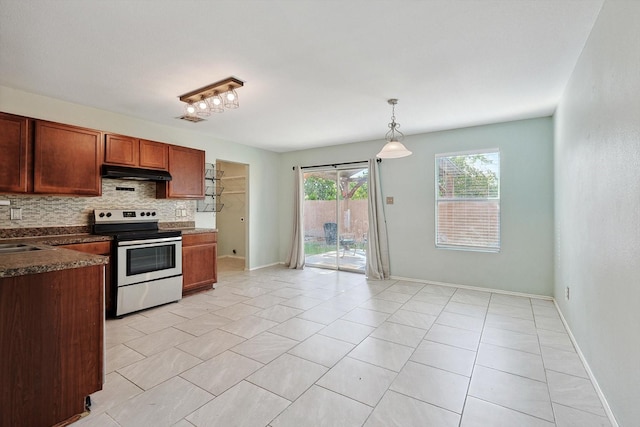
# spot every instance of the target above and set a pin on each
(216, 100)
(230, 96)
(191, 109)
(202, 105)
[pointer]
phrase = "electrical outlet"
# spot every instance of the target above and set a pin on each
(16, 213)
(566, 293)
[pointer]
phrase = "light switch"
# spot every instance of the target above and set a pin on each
(389, 200)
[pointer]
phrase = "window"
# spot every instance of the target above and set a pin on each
(468, 200)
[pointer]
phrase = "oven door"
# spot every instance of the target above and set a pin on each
(149, 259)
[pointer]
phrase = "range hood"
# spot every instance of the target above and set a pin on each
(124, 172)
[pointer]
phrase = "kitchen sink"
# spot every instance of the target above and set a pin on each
(10, 248)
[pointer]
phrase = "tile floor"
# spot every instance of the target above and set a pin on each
(279, 347)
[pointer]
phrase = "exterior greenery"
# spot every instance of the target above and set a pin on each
(319, 188)
(468, 176)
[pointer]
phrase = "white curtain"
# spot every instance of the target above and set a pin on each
(296, 255)
(377, 267)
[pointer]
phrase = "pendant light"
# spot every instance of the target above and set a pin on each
(393, 149)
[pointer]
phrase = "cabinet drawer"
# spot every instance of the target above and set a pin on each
(199, 239)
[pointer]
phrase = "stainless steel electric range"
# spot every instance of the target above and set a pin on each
(147, 260)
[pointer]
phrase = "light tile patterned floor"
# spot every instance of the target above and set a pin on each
(279, 347)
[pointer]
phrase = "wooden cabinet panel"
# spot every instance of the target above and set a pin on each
(67, 160)
(121, 150)
(186, 166)
(129, 151)
(100, 248)
(51, 335)
(14, 161)
(154, 155)
(199, 239)
(199, 258)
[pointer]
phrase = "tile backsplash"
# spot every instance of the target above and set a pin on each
(55, 211)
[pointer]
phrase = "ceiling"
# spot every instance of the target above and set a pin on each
(316, 72)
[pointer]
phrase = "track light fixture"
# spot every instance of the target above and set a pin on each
(214, 98)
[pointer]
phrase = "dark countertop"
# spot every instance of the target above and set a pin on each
(49, 258)
(196, 230)
(52, 258)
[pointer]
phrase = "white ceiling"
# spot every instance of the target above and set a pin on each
(316, 72)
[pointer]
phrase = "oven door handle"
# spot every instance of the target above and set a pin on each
(149, 241)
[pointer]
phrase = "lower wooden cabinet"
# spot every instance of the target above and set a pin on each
(51, 336)
(199, 269)
(99, 248)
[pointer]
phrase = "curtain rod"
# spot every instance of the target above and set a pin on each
(335, 164)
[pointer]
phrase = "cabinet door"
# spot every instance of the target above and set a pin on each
(121, 150)
(99, 248)
(51, 335)
(154, 155)
(198, 267)
(186, 166)
(67, 160)
(14, 146)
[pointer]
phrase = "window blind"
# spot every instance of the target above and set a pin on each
(468, 200)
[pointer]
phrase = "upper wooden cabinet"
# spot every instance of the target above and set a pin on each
(186, 166)
(154, 155)
(67, 160)
(14, 161)
(128, 151)
(121, 150)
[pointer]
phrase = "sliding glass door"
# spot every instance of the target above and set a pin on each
(336, 217)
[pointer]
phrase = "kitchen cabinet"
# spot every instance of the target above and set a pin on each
(121, 150)
(186, 166)
(15, 159)
(129, 151)
(51, 335)
(99, 248)
(67, 160)
(154, 155)
(199, 256)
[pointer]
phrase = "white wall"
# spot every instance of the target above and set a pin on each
(525, 263)
(263, 164)
(597, 205)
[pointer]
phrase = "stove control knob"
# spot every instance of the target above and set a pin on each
(153, 213)
(108, 214)
(148, 213)
(141, 213)
(101, 215)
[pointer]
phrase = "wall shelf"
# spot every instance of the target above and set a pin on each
(212, 189)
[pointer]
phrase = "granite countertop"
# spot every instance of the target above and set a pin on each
(49, 258)
(65, 239)
(196, 230)
(52, 258)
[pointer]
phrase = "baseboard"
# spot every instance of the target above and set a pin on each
(603, 399)
(230, 256)
(266, 265)
(473, 288)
